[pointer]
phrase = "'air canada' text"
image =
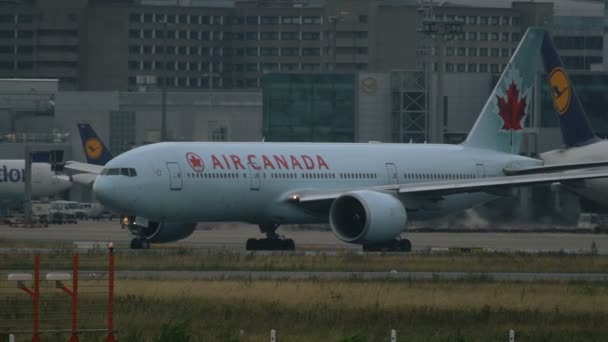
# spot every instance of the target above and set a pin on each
(268, 162)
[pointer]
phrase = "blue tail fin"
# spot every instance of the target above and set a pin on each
(499, 126)
(573, 121)
(94, 149)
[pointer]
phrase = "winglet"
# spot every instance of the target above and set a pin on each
(94, 149)
(573, 121)
(499, 126)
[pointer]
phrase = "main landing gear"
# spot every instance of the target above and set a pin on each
(139, 243)
(272, 242)
(398, 245)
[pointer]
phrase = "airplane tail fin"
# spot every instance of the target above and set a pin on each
(573, 121)
(94, 149)
(500, 124)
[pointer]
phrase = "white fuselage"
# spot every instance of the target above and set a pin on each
(12, 180)
(250, 181)
(594, 189)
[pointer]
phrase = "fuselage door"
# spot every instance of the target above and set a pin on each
(255, 179)
(175, 176)
(481, 171)
(391, 170)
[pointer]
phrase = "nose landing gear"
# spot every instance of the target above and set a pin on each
(139, 243)
(139, 240)
(272, 242)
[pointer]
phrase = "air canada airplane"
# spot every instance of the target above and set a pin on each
(581, 144)
(367, 192)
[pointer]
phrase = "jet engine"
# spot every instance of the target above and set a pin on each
(367, 217)
(162, 231)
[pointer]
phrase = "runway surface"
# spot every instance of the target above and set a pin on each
(233, 236)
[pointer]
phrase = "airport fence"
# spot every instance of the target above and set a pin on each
(50, 295)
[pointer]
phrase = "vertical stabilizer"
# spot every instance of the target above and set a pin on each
(499, 127)
(94, 149)
(573, 121)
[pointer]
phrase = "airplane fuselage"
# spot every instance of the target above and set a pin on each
(196, 182)
(12, 180)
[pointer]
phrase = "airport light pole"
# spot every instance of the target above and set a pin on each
(27, 208)
(440, 31)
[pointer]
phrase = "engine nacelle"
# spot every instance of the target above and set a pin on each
(162, 231)
(367, 216)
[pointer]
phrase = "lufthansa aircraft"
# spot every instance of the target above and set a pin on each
(96, 153)
(367, 192)
(581, 145)
(44, 180)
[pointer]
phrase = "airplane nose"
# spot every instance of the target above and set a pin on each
(102, 189)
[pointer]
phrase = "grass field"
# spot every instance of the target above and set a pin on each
(358, 311)
(347, 261)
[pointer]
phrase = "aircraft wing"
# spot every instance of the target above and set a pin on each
(554, 168)
(83, 167)
(440, 188)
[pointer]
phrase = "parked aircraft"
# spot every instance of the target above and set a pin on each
(44, 180)
(367, 192)
(96, 153)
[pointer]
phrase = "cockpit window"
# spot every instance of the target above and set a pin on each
(123, 171)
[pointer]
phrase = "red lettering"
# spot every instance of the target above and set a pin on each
(236, 161)
(310, 164)
(267, 162)
(295, 162)
(321, 163)
(252, 161)
(280, 160)
(216, 162)
(226, 160)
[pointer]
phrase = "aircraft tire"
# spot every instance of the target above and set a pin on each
(144, 244)
(135, 244)
(251, 245)
(289, 245)
(405, 245)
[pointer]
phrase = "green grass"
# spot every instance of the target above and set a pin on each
(358, 311)
(182, 259)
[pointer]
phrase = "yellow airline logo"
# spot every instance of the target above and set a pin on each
(560, 90)
(93, 148)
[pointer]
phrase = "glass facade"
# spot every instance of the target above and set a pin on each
(310, 107)
(591, 90)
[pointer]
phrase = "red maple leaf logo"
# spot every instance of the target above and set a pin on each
(196, 163)
(512, 111)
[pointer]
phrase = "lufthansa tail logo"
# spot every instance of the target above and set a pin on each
(560, 90)
(93, 148)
